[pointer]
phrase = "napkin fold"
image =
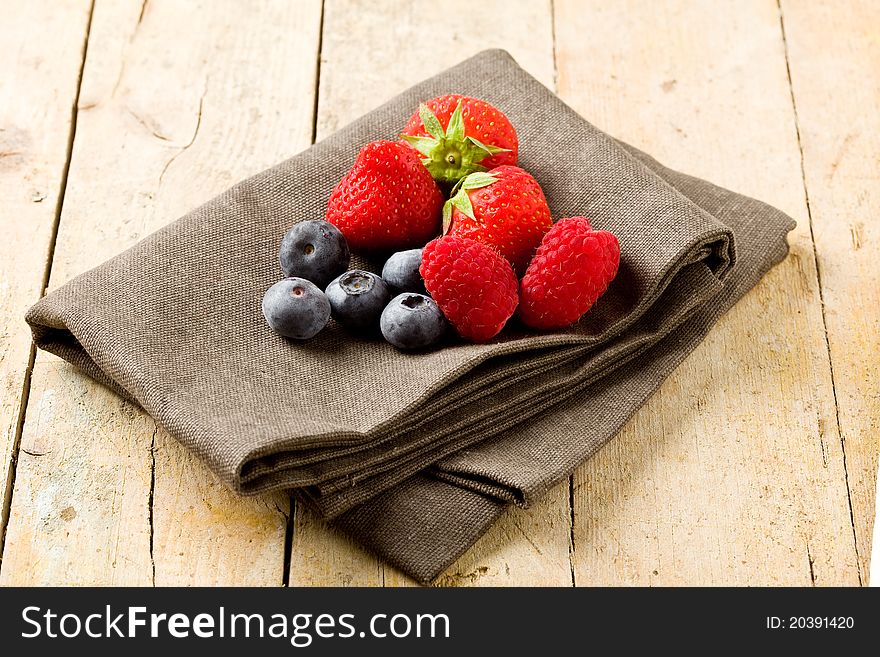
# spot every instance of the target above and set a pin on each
(412, 454)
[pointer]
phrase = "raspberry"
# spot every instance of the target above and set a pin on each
(472, 283)
(571, 269)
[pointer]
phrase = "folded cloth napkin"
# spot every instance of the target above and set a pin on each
(412, 454)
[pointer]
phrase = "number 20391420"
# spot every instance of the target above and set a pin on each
(810, 623)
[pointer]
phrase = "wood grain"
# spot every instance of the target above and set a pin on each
(39, 79)
(834, 58)
(525, 547)
(733, 472)
(80, 509)
(742, 469)
(179, 101)
(321, 556)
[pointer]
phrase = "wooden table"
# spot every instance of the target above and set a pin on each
(753, 464)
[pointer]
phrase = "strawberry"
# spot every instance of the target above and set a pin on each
(570, 271)
(457, 135)
(387, 201)
(474, 286)
(504, 208)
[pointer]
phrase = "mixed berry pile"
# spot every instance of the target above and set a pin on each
(470, 233)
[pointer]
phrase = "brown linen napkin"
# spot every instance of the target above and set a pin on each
(413, 454)
(466, 492)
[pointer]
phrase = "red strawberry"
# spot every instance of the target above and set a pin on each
(457, 135)
(504, 208)
(473, 285)
(572, 268)
(387, 201)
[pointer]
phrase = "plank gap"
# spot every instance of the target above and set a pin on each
(553, 45)
(571, 528)
(74, 112)
(288, 542)
(318, 73)
(47, 270)
(151, 495)
(821, 294)
(16, 446)
(811, 562)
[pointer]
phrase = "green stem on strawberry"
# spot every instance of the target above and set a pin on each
(459, 196)
(449, 154)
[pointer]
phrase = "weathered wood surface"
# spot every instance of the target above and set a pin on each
(39, 79)
(739, 470)
(733, 472)
(178, 101)
(834, 56)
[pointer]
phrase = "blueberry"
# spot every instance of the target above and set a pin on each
(357, 299)
(412, 321)
(314, 250)
(296, 308)
(401, 271)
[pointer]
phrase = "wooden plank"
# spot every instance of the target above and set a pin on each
(80, 509)
(733, 472)
(178, 102)
(321, 556)
(834, 53)
(525, 547)
(39, 79)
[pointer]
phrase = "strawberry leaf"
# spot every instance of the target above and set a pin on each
(477, 180)
(491, 150)
(463, 202)
(455, 128)
(431, 122)
(447, 216)
(423, 145)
